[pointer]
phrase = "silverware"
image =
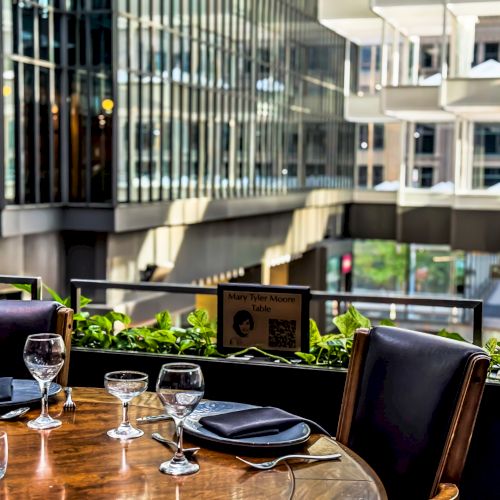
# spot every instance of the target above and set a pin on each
(272, 463)
(171, 444)
(69, 403)
(18, 412)
(152, 418)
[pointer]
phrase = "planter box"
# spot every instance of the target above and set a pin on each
(313, 392)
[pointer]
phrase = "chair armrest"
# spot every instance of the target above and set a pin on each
(446, 491)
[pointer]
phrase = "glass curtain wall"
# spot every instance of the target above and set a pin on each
(140, 101)
(224, 98)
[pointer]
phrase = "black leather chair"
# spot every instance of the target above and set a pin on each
(20, 318)
(409, 408)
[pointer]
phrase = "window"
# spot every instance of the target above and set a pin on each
(491, 51)
(362, 175)
(424, 139)
(363, 136)
(378, 137)
(426, 56)
(426, 177)
(378, 174)
(491, 176)
(366, 58)
(486, 139)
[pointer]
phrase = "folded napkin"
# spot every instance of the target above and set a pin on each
(5, 388)
(253, 422)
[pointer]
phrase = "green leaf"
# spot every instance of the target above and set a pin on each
(451, 335)
(102, 322)
(350, 321)
(117, 316)
(164, 320)
(307, 357)
(199, 318)
(491, 346)
(314, 335)
(84, 301)
(25, 288)
(387, 322)
(57, 297)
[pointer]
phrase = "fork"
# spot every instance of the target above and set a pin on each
(69, 404)
(272, 463)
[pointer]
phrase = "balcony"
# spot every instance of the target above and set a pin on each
(415, 104)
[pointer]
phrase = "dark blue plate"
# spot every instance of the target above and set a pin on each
(25, 392)
(297, 434)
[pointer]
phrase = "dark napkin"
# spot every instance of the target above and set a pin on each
(5, 388)
(250, 423)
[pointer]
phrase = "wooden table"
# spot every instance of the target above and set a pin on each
(78, 460)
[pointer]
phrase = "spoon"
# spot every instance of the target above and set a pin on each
(158, 437)
(14, 413)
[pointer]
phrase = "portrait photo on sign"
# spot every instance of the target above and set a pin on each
(272, 318)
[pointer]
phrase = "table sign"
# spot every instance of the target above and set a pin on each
(273, 318)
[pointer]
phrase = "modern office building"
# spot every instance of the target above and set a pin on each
(219, 140)
(427, 109)
(202, 137)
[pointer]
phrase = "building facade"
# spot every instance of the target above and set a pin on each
(161, 132)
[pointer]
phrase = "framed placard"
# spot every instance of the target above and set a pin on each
(273, 318)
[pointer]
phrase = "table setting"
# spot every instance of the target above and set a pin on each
(123, 441)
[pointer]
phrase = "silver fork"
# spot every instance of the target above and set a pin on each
(69, 404)
(272, 463)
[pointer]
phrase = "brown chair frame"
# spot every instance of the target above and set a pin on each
(64, 327)
(460, 433)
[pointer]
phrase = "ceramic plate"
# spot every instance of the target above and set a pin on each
(294, 435)
(25, 392)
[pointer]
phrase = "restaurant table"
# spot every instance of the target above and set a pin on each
(78, 460)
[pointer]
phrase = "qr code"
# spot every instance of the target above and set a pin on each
(282, 333)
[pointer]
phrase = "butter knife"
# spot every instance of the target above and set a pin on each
(152, 418)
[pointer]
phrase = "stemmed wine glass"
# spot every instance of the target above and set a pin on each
(125, 385)
(44, 355)
(180, 387)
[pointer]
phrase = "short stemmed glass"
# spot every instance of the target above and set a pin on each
(44, 355)
(125, 385)
(180, 387)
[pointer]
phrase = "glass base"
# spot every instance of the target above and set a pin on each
(42, 422)
(125, 432)
(176, 467)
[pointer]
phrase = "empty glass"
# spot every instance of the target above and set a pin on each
(4, 453)
(125, 385)
(44, 355)
(180, 387)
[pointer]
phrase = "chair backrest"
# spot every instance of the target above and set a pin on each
(409, 407)
(20, 318)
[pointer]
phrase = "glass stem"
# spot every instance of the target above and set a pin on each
(125, 420)
(179, 427)
(44, 389)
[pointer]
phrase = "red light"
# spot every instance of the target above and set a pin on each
(346, 265)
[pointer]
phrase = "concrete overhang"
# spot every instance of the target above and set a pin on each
(22, 220)
(415, 104)
(365, 109)
(353, 20)
(476, 99)
(412, 17)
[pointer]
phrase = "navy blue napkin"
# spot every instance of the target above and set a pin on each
(252, 422)
(5, 388)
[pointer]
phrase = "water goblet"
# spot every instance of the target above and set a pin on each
(125, 385)
(44, 355)
(180, 387)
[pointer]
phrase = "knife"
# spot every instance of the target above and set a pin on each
(152, 418)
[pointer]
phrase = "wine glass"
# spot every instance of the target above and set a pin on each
(180, 387)
(44, 355)
(125, 385)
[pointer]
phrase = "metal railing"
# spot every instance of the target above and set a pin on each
(35, 283)
(476, 306)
